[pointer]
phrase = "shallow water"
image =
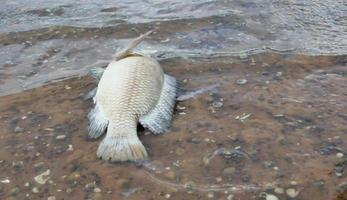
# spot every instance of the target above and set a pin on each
(276, 123)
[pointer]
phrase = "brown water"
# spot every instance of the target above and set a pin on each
(275, 125)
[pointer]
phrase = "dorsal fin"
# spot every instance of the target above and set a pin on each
(129, 49)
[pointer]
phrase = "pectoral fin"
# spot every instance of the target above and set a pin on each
(158, 120)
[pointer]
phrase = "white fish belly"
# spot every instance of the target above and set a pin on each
(129, 88)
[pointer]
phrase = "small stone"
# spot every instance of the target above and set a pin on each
(229, 171)
(230, 197)
(35, 190)
(17, 164)
(339, 155)
(219, 179)
(279, 115)
(241, 81)
(170, 175)
(210, 195)
(217, 104)
(27, 184)
(271, 197)
(61, 137)
(279, 190)
(70, 148)
(6, 180)
(68, 190)
(91, 185)
(342, 186)
(276, 168)
(51, 198)
(194, 140)
(190, 186)
(97, 190)
(167, 196)
(292, 193)
(49, 129)
(293, 183)
(67, 87)
(43, 177)
(18, 129)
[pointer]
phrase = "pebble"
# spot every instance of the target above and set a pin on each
(279, 190)
(339, 155)
(292, 193)
(219, 179)
(61, 137)
(97, 190)
(279, 115)
(17, 164)
(35, 190)
(70, 147)
(210, 195)
(167, 196)
(190, 186)
(43, 177)
(342, 186)
(51, 198)
(217, 104)
(229, 171)
(271, 197)
(18, 129)
(49, 129)
(293, 183)
(241, 81)
(194, 140)
(91, 185)
(5, 180)
(230, 197)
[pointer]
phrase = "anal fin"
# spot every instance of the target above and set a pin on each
(159, 119)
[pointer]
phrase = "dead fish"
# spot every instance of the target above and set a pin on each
(133, 88)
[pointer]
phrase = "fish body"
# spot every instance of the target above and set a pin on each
(132, 89)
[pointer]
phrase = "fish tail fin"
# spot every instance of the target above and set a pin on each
(121, 144)
(129, 49)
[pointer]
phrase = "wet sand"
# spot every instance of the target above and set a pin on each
(283, 130)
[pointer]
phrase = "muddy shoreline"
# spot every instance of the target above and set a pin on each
(283, 127)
